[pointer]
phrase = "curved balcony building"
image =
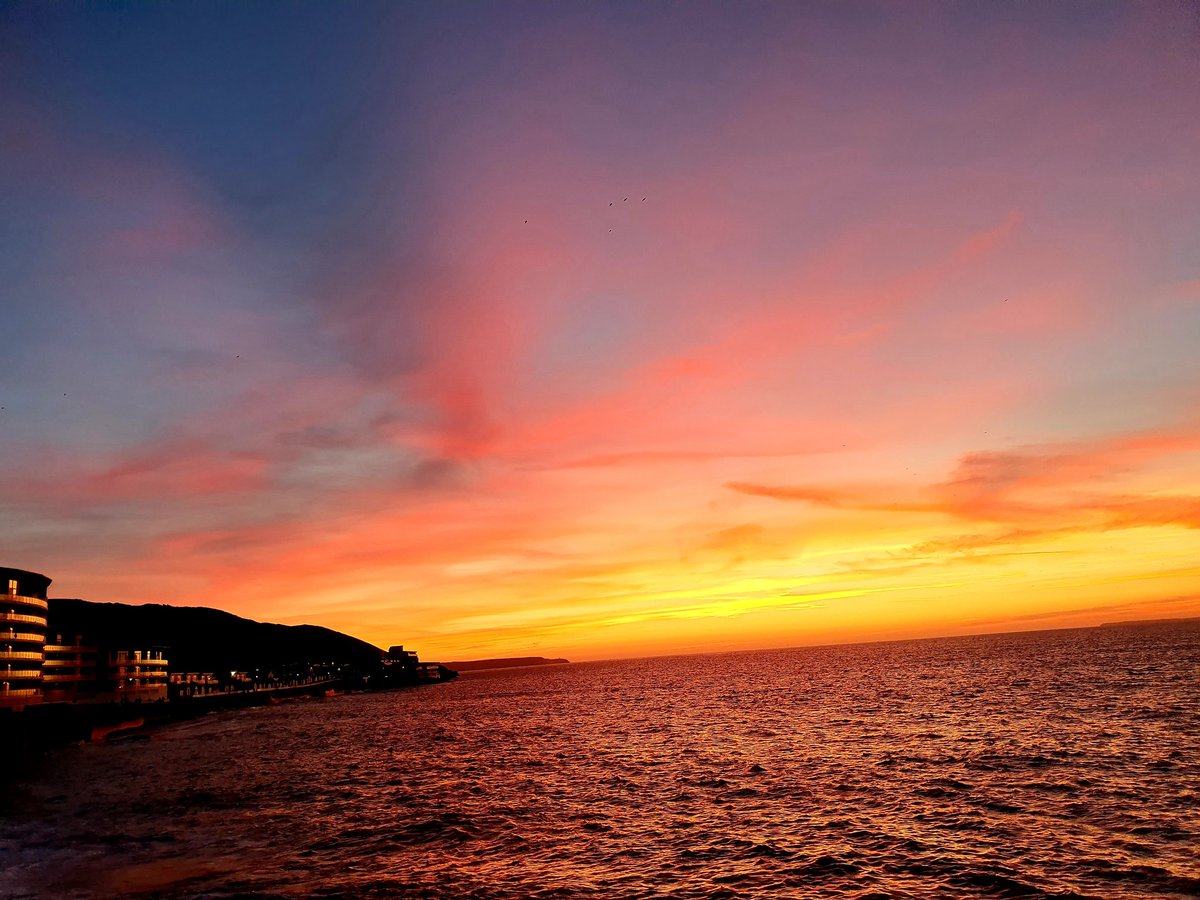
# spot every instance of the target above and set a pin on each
(138, 675)
(22, 636)
(69, 671)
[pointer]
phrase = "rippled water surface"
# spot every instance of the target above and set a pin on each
(1052, 764)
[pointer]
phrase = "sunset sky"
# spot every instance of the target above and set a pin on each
(603, 330)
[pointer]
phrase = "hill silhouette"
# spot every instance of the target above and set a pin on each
(199, 639)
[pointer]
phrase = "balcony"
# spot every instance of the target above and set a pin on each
(19, 637)
(59, 678)
(18, 654)
(30, 674)
(6, 616)
(19, 692)
(133, 672)
(130, 664)
(74, 649)
(21, 600)
(68, 663)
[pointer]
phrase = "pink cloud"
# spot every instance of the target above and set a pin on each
(161, 471)
(1054, 489)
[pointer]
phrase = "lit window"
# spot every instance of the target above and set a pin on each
(12, 587)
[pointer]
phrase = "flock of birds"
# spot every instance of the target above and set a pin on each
(611, 203)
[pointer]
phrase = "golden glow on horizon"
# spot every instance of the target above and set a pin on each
(1040, 537)
(862, 575)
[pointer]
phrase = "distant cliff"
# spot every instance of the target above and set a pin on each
(199, 639)
(1178, 621)
(511, 662)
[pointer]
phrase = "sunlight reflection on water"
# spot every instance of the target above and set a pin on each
(1050, 764)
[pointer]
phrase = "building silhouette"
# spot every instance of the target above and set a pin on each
(36, 667)
(22, 636)
(69, 671)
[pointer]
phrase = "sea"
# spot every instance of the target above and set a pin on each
(1048, 764)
